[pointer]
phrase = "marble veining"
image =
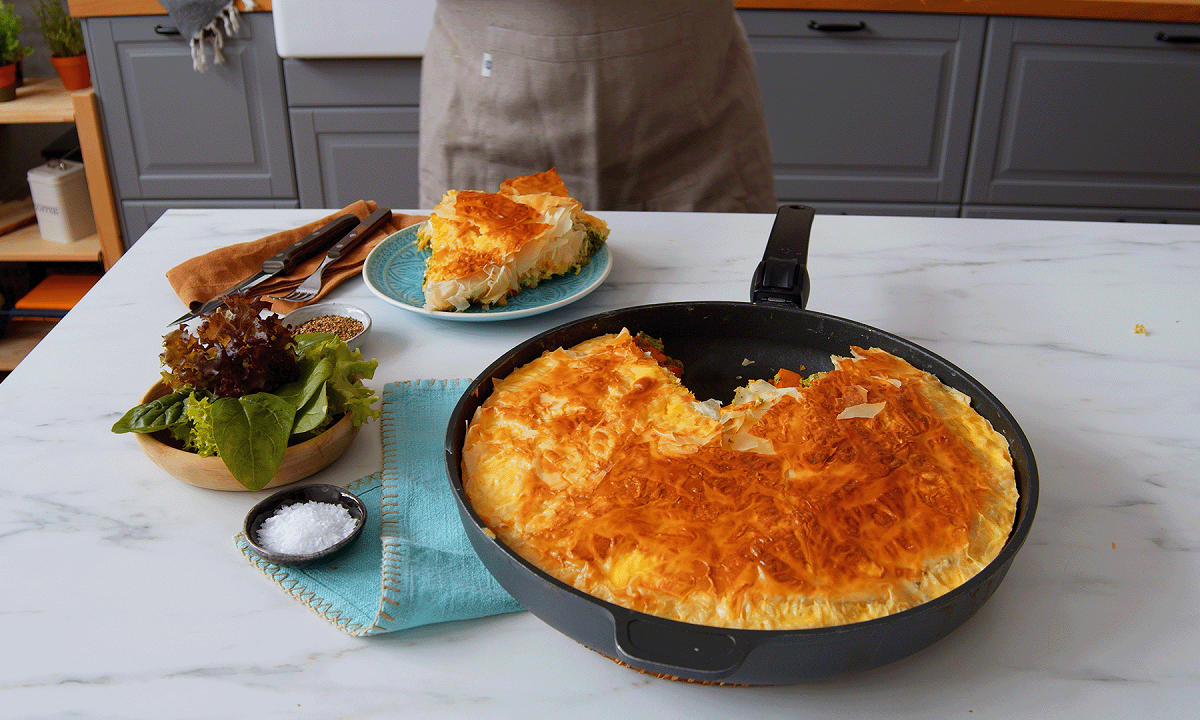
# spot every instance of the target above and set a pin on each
(124, 596)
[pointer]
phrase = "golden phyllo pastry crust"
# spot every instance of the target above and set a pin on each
(872, 490)
(486, 246)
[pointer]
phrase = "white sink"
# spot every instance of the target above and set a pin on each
(351, 28)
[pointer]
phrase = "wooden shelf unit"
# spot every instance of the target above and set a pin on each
(27, 245)
(21, 336)
(45, 100)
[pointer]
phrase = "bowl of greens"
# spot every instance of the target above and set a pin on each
(245, 404)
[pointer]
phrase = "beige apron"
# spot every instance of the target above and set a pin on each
(639, 104)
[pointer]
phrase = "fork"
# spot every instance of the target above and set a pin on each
(312, 284)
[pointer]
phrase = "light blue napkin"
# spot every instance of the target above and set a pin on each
(413, 564)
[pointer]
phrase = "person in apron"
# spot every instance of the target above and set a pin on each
(639, 104)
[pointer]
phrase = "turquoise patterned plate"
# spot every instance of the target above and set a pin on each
(395, 268)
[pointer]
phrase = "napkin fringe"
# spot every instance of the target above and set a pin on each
(309, 597)
(426, 570)
(297, 589)
(226, 22)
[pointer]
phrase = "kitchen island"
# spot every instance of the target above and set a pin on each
(124, 595)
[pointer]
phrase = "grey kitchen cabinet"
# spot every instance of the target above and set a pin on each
(869, 113)
(1096, 214)
(872, 109)
(894, 209)
(1087, 115)
(216, 138)
(354, 125)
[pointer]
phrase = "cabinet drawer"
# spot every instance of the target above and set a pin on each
(352, 82)
(177, 133)
(348, 154)
(889, 209)
(1134, 215)
(867, 106)
(1087, 113)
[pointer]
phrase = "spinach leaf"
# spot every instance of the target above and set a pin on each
(252, 436)
(162, 413)
(313, 414)
(313, 374)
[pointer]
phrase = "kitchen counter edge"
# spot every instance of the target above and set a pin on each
(1180, 11)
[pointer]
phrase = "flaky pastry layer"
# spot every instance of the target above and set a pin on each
(485, 247)
(873, 490)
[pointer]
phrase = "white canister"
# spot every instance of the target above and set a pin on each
(61, 201)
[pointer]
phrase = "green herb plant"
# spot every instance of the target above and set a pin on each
(63, 33)
(11, 49)
(244, 388)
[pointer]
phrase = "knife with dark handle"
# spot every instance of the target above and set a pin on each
(364, 229)
(295, 253)
(311, 287)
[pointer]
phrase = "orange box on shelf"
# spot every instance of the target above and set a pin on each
(57, 292)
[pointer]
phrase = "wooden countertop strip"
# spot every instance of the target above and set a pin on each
(117, 8)
(1182, 11)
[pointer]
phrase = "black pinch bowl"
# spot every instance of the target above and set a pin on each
(713, 339)
(300, 494)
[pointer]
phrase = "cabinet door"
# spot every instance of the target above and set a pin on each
(177, 133)
(892, 209)
(356, 153)
(867, 106)
(1097, 214)
(1089, 114)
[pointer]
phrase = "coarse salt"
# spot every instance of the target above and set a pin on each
(305, 528)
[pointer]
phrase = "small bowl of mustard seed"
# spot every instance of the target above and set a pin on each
(347, 322)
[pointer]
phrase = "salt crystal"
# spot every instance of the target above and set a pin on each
(305, 528)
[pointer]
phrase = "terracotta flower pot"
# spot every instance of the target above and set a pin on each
(8, 82)
(73, 71)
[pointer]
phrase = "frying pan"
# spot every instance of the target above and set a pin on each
(713, 339)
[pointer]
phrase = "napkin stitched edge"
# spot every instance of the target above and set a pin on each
(295, 587)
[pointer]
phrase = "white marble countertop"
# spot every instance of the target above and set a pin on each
(123, 595)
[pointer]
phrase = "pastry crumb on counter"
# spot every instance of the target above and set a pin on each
(1140, 329)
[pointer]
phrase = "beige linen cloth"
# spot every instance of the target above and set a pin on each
(639, 104)
(206, 276)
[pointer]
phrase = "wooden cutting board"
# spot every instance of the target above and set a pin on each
(16, 214)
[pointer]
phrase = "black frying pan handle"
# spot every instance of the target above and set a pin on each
(667, 647)
(782, 276)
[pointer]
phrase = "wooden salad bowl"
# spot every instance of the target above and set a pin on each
(299, 461)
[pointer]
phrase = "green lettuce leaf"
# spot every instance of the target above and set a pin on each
(346, 394)
(201, 437)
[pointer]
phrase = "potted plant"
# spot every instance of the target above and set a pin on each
(64, 37)
(11, 51)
